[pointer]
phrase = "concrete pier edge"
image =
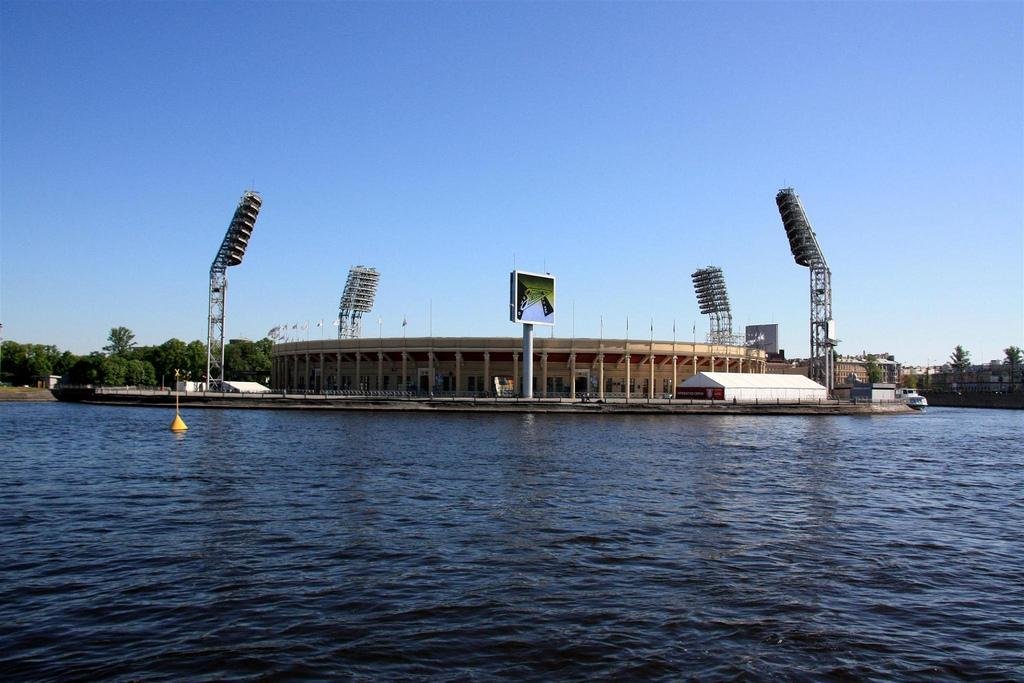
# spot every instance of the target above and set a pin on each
(278, 401)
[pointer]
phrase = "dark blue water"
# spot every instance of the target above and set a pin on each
(282, 545)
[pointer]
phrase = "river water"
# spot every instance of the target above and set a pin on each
(311, 545)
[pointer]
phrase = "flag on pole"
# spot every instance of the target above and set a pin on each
(404, 321)
(320, 323)
(337, 321)
(305, 325)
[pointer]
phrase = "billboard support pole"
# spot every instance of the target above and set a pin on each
(527, 360)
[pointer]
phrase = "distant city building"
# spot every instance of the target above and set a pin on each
(764, 337)
(851, 370)
(778, 365)
(991, 377)
(919, 375)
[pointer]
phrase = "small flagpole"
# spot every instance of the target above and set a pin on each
(695, 347)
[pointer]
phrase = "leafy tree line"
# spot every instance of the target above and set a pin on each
(124, 363)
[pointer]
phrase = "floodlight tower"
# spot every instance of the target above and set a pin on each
(356, 299)
(806, 252)
(713, 300)
(231, 252)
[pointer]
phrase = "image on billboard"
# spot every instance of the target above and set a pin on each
(533, 298)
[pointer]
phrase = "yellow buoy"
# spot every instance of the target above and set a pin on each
(177, 425)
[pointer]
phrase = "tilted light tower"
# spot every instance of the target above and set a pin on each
(806, 252)
(356, 299)
(713, 300)
(231, 252)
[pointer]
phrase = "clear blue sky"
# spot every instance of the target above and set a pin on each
(618, 146)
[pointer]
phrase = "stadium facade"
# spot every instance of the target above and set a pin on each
(489, 366)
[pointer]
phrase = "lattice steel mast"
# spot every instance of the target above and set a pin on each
(356, 299)
(231, 252)
(713, 299)
(806, 252)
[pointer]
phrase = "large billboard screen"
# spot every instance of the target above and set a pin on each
(764, 337)
(532, 298)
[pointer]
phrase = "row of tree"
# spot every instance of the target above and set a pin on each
(960, 360)
(122, 362)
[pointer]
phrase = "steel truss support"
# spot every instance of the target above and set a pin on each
(821, 327)
(215, 334)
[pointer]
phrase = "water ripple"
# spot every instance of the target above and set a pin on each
(282, 546)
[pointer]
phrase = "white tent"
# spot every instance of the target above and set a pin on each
(246, 387)
(751, 386)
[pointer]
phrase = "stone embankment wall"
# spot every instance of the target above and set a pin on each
(135, 397)
(975, 399)
(25, 394)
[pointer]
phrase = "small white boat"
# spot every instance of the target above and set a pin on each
(912, 398)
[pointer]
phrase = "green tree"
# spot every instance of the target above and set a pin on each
(248, 361)
(14, 363)
(875, 373)
(170, 356)
(86, 370)
(23, 363)
(195, 360)
(910, 381)
(64, 363)
(1013, 359)
(140, 373)
(121, 339)
(41, 360)
(960, 360)
(146, 353)
(113, 371)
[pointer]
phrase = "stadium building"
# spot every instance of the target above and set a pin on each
(489, 366)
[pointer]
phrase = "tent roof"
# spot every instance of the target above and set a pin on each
(750, 380)
(247, 387)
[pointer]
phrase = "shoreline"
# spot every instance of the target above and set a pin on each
(278, 401)
(26, 395)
